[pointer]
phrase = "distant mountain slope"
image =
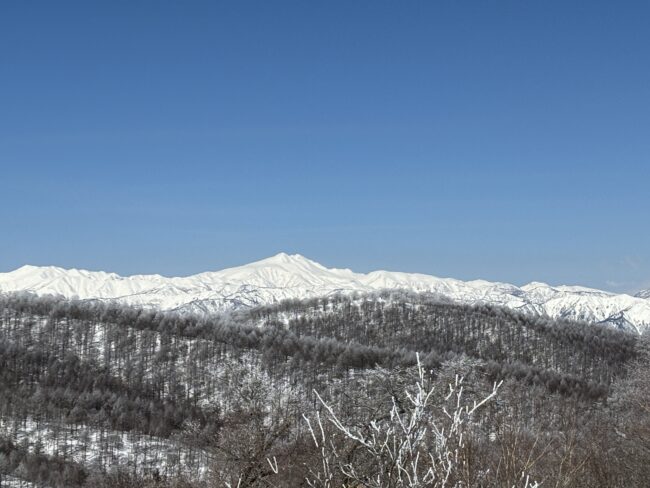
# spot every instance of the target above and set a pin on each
(643, 294)
(295, 277)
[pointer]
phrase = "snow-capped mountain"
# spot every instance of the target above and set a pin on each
(643, 294)
(293, 276)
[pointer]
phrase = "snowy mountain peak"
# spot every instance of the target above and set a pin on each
(296, 262)
(643, 294)
(539, 287)
(293, 276)
(283, 257)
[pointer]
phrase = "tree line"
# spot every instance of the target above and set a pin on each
(230, 391)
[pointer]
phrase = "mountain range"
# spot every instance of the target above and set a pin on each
(295, 277)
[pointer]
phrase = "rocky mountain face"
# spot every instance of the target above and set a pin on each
(643, 294)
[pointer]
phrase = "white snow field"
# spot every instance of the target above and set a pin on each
(293, 276)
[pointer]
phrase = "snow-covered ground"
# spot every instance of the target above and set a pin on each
(107, 449)
(296, 277)
(11, 482)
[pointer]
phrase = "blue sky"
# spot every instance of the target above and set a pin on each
(501, 140)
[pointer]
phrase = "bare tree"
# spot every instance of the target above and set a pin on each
(413, 446)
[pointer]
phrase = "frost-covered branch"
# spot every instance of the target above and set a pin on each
(411, 447)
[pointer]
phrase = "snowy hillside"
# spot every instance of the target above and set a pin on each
(293, 276)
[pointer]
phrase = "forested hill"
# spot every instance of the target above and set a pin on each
(515, 343)
(369, 330)
(89, 387)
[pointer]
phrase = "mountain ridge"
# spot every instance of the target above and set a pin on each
(643, 294)
(285, 276)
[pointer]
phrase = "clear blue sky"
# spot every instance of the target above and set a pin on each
(501, 140)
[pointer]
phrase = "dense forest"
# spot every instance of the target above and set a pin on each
(385, 390)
